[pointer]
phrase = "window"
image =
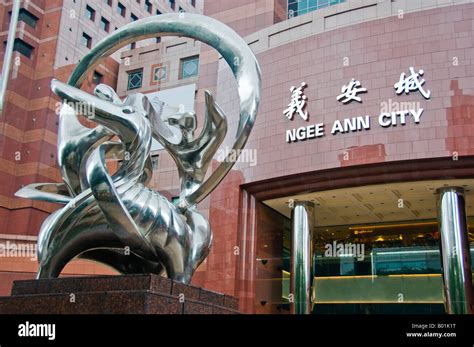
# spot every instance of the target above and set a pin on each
(104, 24)
(86, 40)
(133, 18)
(108, 2)
(97, 78)
(158, 39)
(160, 73)
(133, 45)
(154, 161)
(158, 12)
(121, 9)
(135, 79)
(192, 3)
(148, 6)
(298, 7)
(27, 17)
(189, 67)
(172, 4)
(22, 47)
(90, 13)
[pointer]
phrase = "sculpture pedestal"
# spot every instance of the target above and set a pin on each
(125, 294)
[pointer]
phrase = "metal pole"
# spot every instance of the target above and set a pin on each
(455, 253)
(301, 276)
(8, 52)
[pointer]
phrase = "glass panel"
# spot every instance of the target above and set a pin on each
(86, 40)
(90, 13)
(376, 265)
(189, 67)
(27, 17)
(23, 48)
(104, 24)
(160, 73)
(381, 260)
(135, 79)
(300, 7)
(121, 9)
(97, 77)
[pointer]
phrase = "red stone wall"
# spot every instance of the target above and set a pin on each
(378, 52)
(219, 272)
(28, 133)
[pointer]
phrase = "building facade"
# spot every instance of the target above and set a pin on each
(364, 139)
(371, 186)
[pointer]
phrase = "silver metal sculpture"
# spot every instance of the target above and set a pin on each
(115, 218)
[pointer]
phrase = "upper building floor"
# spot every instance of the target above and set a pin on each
(76, 26)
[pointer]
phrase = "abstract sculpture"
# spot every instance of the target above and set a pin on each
(115, 218)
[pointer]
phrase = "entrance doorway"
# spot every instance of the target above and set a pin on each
(376, 248)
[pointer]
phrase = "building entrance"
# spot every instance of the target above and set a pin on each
(376, 249)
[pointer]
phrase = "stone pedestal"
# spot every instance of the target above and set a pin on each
(126, 294)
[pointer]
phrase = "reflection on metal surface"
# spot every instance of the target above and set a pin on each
(116, 219)
(230, 45)
(455, 257)
(7, 58)
(301, 257)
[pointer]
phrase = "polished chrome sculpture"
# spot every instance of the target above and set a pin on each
(115, 218)
(302, 255)
(455, 251)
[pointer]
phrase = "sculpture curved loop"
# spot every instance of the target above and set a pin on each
(227, 42)
(115, 218)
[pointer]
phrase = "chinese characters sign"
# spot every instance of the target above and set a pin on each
(413, 82)
(351, 91)
(297, 104)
